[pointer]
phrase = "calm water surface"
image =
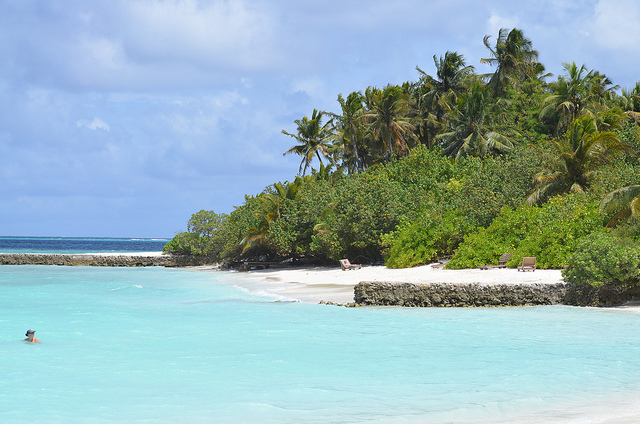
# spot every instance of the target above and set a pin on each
(158, 345)
(69, 245)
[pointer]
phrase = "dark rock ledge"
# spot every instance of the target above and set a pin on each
(100, 260)
(483, 295)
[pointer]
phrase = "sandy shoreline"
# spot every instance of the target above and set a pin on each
(312, 285)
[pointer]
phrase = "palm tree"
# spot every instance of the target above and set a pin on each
(515, 60)
(624, 202)
(629, 101)
(442, 93)
(437, 97)
(350, 131)
(580, 153)
(271, 204)
(472, 131)
(313, 137)
(580, 92)
(388, 120)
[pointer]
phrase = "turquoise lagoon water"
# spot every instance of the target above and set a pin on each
(155, 345)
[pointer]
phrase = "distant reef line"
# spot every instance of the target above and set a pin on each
(129, 260)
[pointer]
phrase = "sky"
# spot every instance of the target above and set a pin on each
(122, 118)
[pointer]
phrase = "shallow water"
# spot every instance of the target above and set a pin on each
(158, 345)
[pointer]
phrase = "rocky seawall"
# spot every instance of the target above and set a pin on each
(101, 260)
(483, 295)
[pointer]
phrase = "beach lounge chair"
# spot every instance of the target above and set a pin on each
(345, 265)
(440, 264)
(528, 264)
(502, 262)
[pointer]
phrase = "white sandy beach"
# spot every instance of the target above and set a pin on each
(312, 285)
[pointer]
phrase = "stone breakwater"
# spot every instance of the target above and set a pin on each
(483, 295)
(100, 260)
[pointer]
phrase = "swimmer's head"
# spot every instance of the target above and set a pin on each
(30, 331)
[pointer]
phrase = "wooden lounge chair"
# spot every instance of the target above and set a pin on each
(440, 264)
(528, 264)
(502, 262)
(345, 265)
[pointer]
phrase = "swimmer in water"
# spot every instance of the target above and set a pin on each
(31, 336)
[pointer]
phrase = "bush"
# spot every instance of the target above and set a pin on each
(423, 240)
(603, 259)
(186, 244)
(202, 237)
(368, 206)
(549, 232)
(484, 186)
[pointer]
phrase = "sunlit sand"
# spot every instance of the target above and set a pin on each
(312, 285)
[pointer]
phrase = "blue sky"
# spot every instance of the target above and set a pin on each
(124, 117)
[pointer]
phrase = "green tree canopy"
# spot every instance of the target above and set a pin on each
(578, 154)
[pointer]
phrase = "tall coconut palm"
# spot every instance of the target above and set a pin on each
(437, 97)
(624, 203)
(581, 91)
(441, 94)
(515, 60)
(314, 139)
(388, 120)
(350, 132)
(579, 154)
(474, 131)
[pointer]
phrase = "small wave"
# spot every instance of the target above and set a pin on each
(119, 288)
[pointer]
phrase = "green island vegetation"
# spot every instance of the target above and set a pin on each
(457, 165)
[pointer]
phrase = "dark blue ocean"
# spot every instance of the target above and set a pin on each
(71, 245)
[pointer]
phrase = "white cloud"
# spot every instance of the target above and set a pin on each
(103, 53)
(313, 86)
(497, 22)
(201, 89)
(617, 25)
(218, 34)
(95, 124)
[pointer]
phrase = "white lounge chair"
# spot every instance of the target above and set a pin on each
(346, 265)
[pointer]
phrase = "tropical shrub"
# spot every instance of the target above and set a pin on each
(236, 225)
(186, 243)
(629, 230)
(523, 109)
(423, 169)
(604, 259)
(367, 207)
(202, 237)
(421, 241)
(549, 232)
(484, 186)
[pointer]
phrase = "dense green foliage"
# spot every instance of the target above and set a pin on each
(204, 236)
(604, 259)
(549, 233)
(424, 239)
(456, 164)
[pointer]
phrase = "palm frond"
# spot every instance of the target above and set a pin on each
(619, 199)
